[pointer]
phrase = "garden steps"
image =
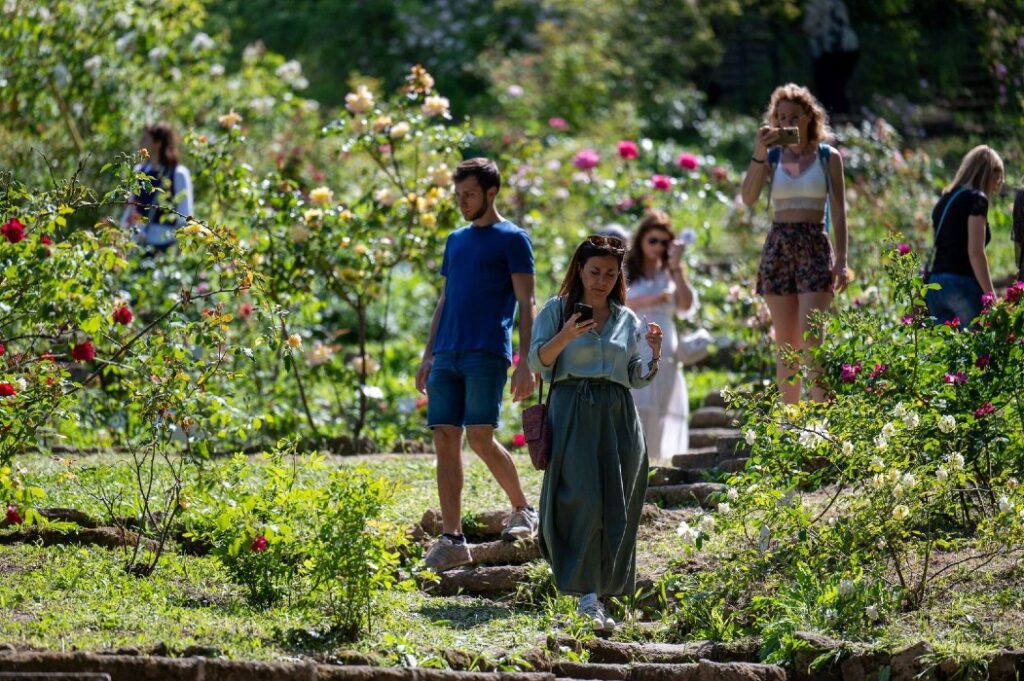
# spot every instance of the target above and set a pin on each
(709, 437)
(713, 417)
(685, 494)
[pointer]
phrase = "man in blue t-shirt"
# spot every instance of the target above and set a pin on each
(488, 271)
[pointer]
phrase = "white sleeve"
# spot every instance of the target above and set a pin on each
(183, 190)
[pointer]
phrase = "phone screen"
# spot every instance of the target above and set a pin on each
(586, 312)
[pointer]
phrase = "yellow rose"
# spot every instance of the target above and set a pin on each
(346, 215)
(359, 101)
(381, 123)
(435, 105)
(313, 215)
(295, 341)
(360, 249)
(229, 120)
(399, 130)
(428, 220)
(440, 176)
(321, 195)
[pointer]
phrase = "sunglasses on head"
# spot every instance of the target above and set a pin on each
(653, 240)
(613, 243)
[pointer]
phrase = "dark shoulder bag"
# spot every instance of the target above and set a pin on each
(926, 267)
(537, 425)
(537, 430)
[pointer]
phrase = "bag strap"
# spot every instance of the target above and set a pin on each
(938, 230)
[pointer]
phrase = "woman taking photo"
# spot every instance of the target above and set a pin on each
(960, 220)
(595, 484)
(799, 270)
(660, 291)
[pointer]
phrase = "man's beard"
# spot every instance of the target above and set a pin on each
(480, 213)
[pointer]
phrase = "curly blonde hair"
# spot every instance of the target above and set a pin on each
(817, 130)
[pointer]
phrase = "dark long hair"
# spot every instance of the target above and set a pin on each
(571, 291)
(653, 220)
(164, 134)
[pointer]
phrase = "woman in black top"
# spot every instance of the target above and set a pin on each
(960, 220)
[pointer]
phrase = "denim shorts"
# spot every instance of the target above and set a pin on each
(960, 296)
(465, 388)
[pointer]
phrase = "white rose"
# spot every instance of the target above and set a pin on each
(688, 534)
(724, 508)
(900, 513)
(846, 588)
(877, 462)
(941, 474)
(888, 430)
(909, 480)
(872, 613)
(435, 105)
(707, 524)
(912, 420)
(202, 42)
(897, 492)
(881, 442)
(899, 411)
(847, 448)
(1004, 504)
(947, 424)
(732, 494)
(750, 437)
(360, 101)
(956, 460)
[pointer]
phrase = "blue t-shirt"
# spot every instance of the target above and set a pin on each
(479, 300)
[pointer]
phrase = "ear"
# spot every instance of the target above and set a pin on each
(491, 193)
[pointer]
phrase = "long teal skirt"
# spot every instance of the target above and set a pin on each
(594, 488)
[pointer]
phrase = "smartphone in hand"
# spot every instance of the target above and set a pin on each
(585, 312)
(788, 136)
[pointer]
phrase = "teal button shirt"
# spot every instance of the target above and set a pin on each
(612, 355)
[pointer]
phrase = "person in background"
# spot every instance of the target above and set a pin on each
(169, 186)
(488, 270)
(834, 51)
(1018, 233)
(595, 483)
(660, 291)
(799, 271)
(960, 221)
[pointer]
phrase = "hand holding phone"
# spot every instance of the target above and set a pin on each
(585, 312)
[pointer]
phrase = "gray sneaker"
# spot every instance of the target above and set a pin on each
(595, 616)
(445, 555)
(522, 524)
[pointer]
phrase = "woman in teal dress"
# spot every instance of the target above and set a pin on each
(594, 486)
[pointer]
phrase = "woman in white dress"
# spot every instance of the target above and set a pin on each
(660, 291)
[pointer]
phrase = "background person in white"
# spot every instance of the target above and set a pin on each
(488, 270)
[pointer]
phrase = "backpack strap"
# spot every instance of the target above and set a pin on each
(774, 158)
(824, 154)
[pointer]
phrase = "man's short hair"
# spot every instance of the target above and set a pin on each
(483, 169)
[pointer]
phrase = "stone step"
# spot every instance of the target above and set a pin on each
(709, 437)
(483, 525)
(680, 476)
(714, 399)
(732, 465)
(732, 446)
(478, 581)
(713, 417)
(697, 459)
(689, 494)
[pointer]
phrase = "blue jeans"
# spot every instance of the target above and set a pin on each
(960, 297)
(465, 388)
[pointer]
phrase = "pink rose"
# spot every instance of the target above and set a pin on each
(719, 174)
(259, 544)
(586, 159)
(662, 183)
(957, 378)
(519, 440)
(688, 161)
(903, 249)
(628, 149)
(984, 410)
(849, 372)
(558, 123)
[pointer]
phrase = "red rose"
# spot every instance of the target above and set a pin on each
(518, 440)
(123, 315)
(984, 410)
(259, 545)
(628, 149)
(45, 242)
(903, 249)
(2, 349)
(982, 361)
(244, 310)
(661, 182)
(688, 161)
(83, 352)
(720, 173)
(7, 390)
(13, 230)
(13, 517)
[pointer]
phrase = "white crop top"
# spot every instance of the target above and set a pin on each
(806, 191)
